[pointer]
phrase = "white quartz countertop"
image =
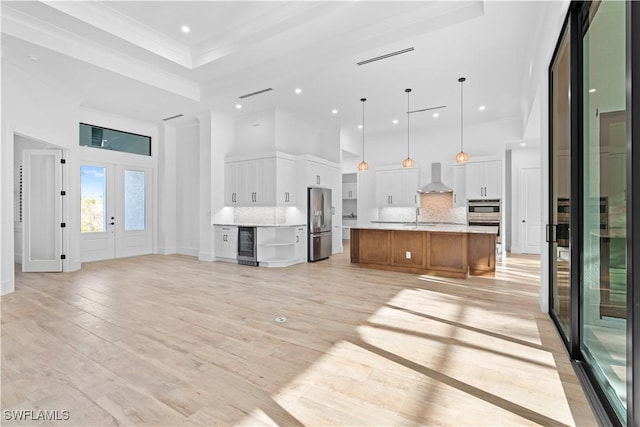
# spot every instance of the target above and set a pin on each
(259, 225)
(436, 227)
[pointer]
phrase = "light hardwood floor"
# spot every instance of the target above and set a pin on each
(170, 341)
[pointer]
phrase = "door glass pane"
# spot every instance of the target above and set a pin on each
(134, 196)
(93, 206)
(604, 268)
(561, 184)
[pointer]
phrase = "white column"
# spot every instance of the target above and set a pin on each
(167, 190)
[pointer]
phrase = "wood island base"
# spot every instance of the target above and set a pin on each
(445, 254)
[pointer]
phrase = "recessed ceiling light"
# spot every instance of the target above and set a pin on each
(591, 90)
(436, 115)
(238, 106)
(298, 91)
(481, 108)
(395, 121)
(359, 126)
(33, 57)
(334, 111)
(185, 29)
(522, 144)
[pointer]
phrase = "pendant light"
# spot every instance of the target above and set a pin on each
(461, 157)
(363, 166)
(408, 162)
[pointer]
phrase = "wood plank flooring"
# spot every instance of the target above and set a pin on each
(171, 341)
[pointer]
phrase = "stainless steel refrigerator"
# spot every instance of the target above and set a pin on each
(319, 223)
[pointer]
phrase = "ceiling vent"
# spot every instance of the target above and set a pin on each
(166, 119)
(256, 93)
(385, 56)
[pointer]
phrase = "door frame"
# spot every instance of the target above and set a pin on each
(115, 208)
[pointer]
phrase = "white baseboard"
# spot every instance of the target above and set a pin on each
(7, 286)
(167, 250)
(187, 251)
(206, 256)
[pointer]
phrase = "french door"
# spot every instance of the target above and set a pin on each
(115, 211)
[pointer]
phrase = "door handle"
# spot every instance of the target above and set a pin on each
(550, 237)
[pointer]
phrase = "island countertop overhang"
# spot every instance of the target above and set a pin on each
(431, 227)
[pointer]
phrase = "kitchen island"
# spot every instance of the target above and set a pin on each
(447, 250)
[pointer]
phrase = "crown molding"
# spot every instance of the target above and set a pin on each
(41, 33)
(115, 23)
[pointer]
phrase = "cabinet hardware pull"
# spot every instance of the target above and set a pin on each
(297, 239)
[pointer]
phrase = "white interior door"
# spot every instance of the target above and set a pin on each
(531, 220)
(115, 211)
(42, 211)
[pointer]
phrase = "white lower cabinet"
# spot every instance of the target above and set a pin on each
(282, 246)
(226, 242)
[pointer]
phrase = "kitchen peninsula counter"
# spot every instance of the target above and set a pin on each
(448, 250)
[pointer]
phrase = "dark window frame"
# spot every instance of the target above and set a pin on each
(150, 139)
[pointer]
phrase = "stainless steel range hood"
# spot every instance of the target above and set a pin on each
(436, 185)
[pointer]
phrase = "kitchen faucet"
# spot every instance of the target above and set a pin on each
(417, 215)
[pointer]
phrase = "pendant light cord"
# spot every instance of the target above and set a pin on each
(461, 80)
(363, 101)
(408, 115)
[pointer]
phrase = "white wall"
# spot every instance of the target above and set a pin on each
(481, 140)
(255, 133)
(41, 111)
(294, 136)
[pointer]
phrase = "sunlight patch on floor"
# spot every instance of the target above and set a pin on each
(423, 357)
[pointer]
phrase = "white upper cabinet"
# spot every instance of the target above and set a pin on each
(459, 184)
(320, 174)
(397, 187)
(484, 180)
(350, 191)
(285, 182)
(265, 181)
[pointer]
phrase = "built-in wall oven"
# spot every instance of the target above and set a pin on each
(247, 246)
(485, 212)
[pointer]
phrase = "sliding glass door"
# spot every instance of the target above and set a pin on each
(604, 200)
(594, 246)
(560, 184)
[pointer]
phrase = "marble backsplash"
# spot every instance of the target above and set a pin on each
(260, 215)
(437, 207)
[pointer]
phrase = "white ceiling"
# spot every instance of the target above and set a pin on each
(130, 57)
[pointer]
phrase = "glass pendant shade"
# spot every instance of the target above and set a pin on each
(363, 166)
(461, 157)
(408, 163)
